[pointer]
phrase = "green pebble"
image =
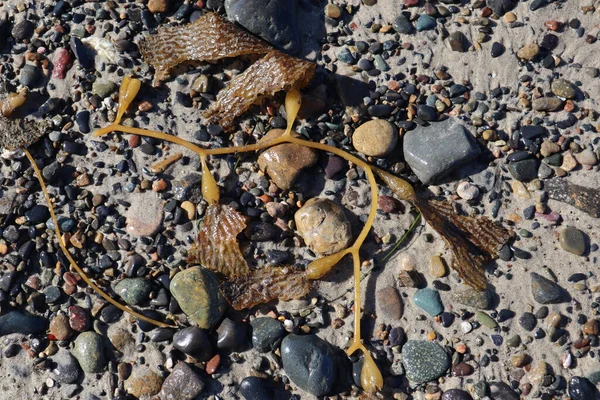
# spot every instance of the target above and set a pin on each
(486, 320)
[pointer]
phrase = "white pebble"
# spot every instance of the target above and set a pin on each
(467, 191)
(50, 382)
(567, 359)
(407, 263)
(466, 326)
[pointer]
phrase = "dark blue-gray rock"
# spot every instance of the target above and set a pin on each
(501, 391)
(232, 335)
(254, 388)
(267, 333)
(83, 121)
(524, 170)
(183, 383)
(497, 49)
(309, 362)
(456, 394)
(501, 7)
(37, 214)
(532, 131)
(582, 389)
(133, 291)
(89, 351)
(545, 291)
(528, 321)
(402, 24)
(29, 75)
(424, 361)
(425, 23)
(193, 342)
(18, 322)
(273, 20)
(67, 368)
(23, 30)
(83, 54)
(434, 151)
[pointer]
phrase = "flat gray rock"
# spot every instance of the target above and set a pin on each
(434, 151)
(424, 361)
(272, 20)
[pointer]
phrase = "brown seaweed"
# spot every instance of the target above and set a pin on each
(209, 38)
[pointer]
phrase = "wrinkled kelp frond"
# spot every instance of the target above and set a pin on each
(473, 241)
(274, 72)
(209, 38)
(217, 248)
(266, 284)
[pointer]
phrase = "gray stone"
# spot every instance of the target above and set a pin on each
(89, 351)
(193, 342)
(456, 394)
(267, 333)
(133, 291)
(103, 88)
(545, 291)
(309, 362)
(547, 104)
(67, 368)
(424, 361)
(501, 7)
(586, 199)
(273, 20)
(524, 170)
(183, 383)
(501, 391)
(572, 240)
(434, 151)
(29, 75)
(18, 322)
(472, 298)
(401, 24)
(563, 88)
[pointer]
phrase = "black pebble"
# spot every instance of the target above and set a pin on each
(253, 388)
(497, 49)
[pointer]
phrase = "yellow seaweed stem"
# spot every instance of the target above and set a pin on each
(74, 265)
(210, 189)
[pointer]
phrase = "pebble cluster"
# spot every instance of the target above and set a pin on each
(511, 153)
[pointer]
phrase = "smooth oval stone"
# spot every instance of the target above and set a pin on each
(389, 303)
(231, 335)
(545, 291)
(472, 298)
(133, 291)
(18, 322)
(486, 320)
(197, 292)
(89, 351)
(424, 361)
(309, 362)
(193, 342)
(254, 388)
(67, 368)
(323, 225)
(429, 301)
(501, 391)
(376, 138)
(182, 383)
(572, 240)
(528, 321)
(267, 333)
(563, 88)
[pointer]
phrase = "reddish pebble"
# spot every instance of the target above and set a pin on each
(62, 63)
(59, 327)
(78, 318)
(134, 141)
(159, 185)
(462, 369)
(33, 282)
(486, 12)
(388, 204)
(552, 216)
(213, 364)
(411, 3)
(145, 106)
(552, 25)
(69, 289)
(71, 278)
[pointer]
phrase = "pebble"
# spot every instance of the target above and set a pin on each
(21, 322)
(231, 335)
(23, 30)
(143, 382)
(272, 20)
(528, 321)
(376, 138)
(587, 157)
(402, 25)
(193, 342)
(145, 215)
(545, 291)
(458, 42)
(89, 351)
(429, 301)
(581, 389)
(528, 52)
(59, 327)
(434, 151)
(424, 361)
(29, 75)
(547, 104)
(437, 267)
(425, 23)
(524, 170)
(472, 298)
(323, 225)
(486, 320)
(500, 7)
(456, 394)
(158, 6)
(254, 388)
(563, 88)
(182, 383)
(83, 54)
(500, 390)
(389, 304)
(79, 319)
(284, 162)
(573, 241)
(497, 49)
(467, 191)
(309, 363)
(67, 370)
(133, 291)
(267, 334)
(197, 292)
(103, 88)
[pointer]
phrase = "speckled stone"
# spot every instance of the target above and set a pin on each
(424, 361)
(472, 298)
(429, 301)
(183, 383)
(197, 292)
(545, 291)
(89, 351)
(563, 88)
(143, 382)
(133, 291)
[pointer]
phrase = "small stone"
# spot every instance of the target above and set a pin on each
(183, 383)
(472, 298)
(425, 23)
(103, 88)
(457, 394)
(197, 292)
(23, 323)
(591, 327)
(486, 320)
(79, 319)
(437, 267)
(402, 24)
(89, 351)
(193, 342)
(520, 190)
(333, 11)
(528, 52)
(467, 191)
(547, 104)
(62, 63)
(429, 301)
(59, 327)
(254, 388)
(545, 291)
(158, 6)
(587, 157)
(581, 389)
(267, 334)
(424, 361)
(231, 335)
(67, 368)
(143, 382)
(497, 49)
(29, 75)
(23, 30)
(573, 241)
(389, 304)
(133, 291)
(548, 148)
(458, 42)
(524, 170)
(375, 138)
(323, 226)
(145, 215)
(528, 321)
(500, 7)
(309, 363)
(284, 162)
(563, 88)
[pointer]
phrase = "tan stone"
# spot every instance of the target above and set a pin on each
(437, 267)
(143, 382)
(284, 162)
(323, 226)
(158, 6)
(375, 138)
(528, 52)
(389, 304)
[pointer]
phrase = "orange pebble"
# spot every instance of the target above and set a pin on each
(213, 364)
